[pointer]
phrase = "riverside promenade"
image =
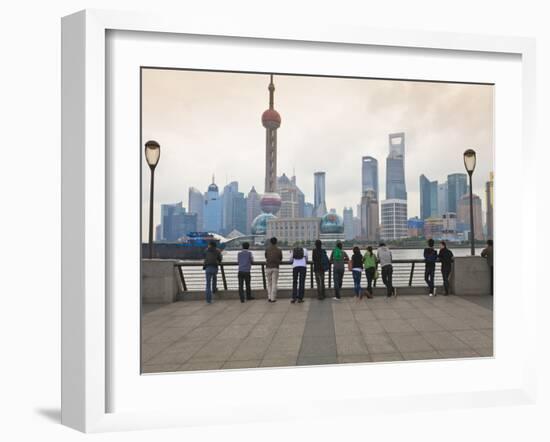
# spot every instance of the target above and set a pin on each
(191, 335)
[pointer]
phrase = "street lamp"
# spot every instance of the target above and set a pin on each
(152, 155)
(470, 165)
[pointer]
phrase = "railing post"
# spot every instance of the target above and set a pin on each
(411, 276)
(311, 275)
(223, 277)
(263, 277)
(182, 278)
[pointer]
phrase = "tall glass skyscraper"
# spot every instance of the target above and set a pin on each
(428, 198)
(196, 205)
(369, 175)
(456, 187)
(395, 168)
(319, 204)
(212, 209)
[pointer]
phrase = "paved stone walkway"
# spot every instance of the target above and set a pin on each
(192, 335)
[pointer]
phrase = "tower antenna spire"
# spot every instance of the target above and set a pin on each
(271, 92)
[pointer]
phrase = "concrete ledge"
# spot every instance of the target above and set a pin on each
(158, 281)
(470, 276)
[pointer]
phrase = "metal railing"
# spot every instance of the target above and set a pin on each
(406, 273)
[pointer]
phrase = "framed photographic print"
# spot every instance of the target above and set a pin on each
(248, 210)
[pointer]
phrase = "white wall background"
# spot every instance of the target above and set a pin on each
(30, 221)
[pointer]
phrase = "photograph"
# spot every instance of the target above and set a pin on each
(301, 220)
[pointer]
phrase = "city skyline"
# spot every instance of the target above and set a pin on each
(171, 116)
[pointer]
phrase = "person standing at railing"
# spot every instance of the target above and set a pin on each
(212, 259)
(385, 260)
(446, 258)
(245, 260)
(338, 259)
(430, 258)
(273, 259)
(356, 266)
(487, 253)
(370, 263)
(298, 259)
(321, 265)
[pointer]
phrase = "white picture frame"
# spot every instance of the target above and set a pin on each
(87, 356)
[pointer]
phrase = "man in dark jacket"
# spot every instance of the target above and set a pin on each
(212, 258)
(320, 266)
(273, 258)
(446, 258)
(430, 258)
(245, 260)
(487, 253)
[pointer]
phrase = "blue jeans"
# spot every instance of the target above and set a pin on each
(429, 275)
(298, 282)
(357, 282)
(211, 277)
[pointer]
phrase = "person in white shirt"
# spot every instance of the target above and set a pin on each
(385, 259)
(298, 259)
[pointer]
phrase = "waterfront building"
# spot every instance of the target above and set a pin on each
(292, 230)
(395, 168)
(457, 187)
(196, 205)
(428, 197)
(319, 203)
(415, 227)
(292, 198)
(449, 232)
(370, 226)
(252, 208)
(393, 219)
(433, 228)
(463, 216)
(349, 232)
(176, 222)
(442, 198)
(489, 195)
(212, 213)
(369, 175)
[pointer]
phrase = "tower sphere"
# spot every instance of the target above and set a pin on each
(271, 119)
(270, 202)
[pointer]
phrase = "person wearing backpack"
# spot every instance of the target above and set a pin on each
(321, 264)
(430, 258)
(446, 258)
(298, 259)
(356, 265)
(369, 263)
(212, 259)
(338, 259)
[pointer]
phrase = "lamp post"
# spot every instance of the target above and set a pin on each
(470, 165)
(152, 155)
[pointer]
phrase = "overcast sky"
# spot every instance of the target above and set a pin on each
(210, 123)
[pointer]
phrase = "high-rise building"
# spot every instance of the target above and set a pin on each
(395, 168)
(252, 208)
(349, 232)
(489, 195)
(176, 222)
(308, 210)
(158, 232)
(292, 198)
(196, 205)
(212, 212)
(442, 198)
(428, 198)
(415, 227)
(319, 203)
(449, 232)
(229, 192)
(433, 228)
(369, 175)
(456, 188)
(370, 227)
(463, 216)
(356, 227)
(239, 215)
(394, 219)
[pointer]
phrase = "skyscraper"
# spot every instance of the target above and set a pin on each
(463, 215)
(292, 198)
(395, 168)
(428, 198)
(196, 205)
(369, 175)
(229, 192)
(212, 209)
(370, 228)
(252, 208)
(176, 222)
(489, 195)
(239, 213)
(319, 203)
(456, 188)
(442, 198)
(394, 219)
(349, 232)
(308, 210)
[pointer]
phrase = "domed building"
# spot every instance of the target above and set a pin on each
(332, 223)
(259, 225)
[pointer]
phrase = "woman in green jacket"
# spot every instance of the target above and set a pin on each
(370, 264)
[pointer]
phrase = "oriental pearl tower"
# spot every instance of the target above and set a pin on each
(271, 200)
